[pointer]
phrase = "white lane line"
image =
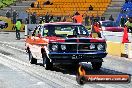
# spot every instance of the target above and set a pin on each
(15, 48)
(13, 59)
(8, 45)
(6, 63)
(26, 68)
(58, 79)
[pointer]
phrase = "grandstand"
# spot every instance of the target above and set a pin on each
(126, 11)
(18, 5)
(64, 7)
(114, 8)
(68, 7)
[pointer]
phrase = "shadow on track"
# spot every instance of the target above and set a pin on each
(69, 69)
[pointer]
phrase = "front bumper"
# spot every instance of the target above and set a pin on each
(77, 57)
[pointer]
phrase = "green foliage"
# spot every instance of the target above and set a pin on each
(5, 3)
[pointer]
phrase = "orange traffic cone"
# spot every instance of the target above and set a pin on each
(125, 36)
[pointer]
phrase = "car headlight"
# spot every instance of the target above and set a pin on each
(100, 47)
(54, 47)
(63, 47)
(92, 46)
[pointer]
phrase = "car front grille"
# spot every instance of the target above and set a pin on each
(80, 47)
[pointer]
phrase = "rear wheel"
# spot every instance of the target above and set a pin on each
(96, 65)
(47, 64)
(32, 60)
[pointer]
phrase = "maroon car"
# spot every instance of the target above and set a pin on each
(110, 26)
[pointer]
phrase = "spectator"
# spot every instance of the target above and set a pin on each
(78, 18)
(102, 18)
(90, 8)
(48, 3)
(38, 5)
(97, 17)
(58, 18)
(129, 24)
(86, 20)
(64, 19)
(126, 1)
(111, 18)
(52, 19)
(33, 18)
(32, 5)
(27, 20)
(8, 14)
(42, 20)
(95, 29)
(18, 27)
(14, 16)
(122, 21)
(47, 16)
(122, 11)
(77, 13)
(92, 19)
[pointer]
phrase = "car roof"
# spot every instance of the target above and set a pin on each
(62, 23)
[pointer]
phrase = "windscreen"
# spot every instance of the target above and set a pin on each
(64, 30)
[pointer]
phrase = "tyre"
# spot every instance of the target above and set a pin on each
(75, 65)
(32, 60)
(80, 80)
(96, 65)
(47, 64)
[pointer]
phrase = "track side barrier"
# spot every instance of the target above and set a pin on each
(119, 49)
(10, 25)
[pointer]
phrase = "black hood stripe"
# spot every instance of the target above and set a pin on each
(76, 40)
(71, 40)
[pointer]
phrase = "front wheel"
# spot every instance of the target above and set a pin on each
(47, 64)
(96, 65)
(32, 60)
(75, 65)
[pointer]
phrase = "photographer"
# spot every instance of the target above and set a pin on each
(129, 24)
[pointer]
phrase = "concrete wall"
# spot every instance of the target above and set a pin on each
(119, 49)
